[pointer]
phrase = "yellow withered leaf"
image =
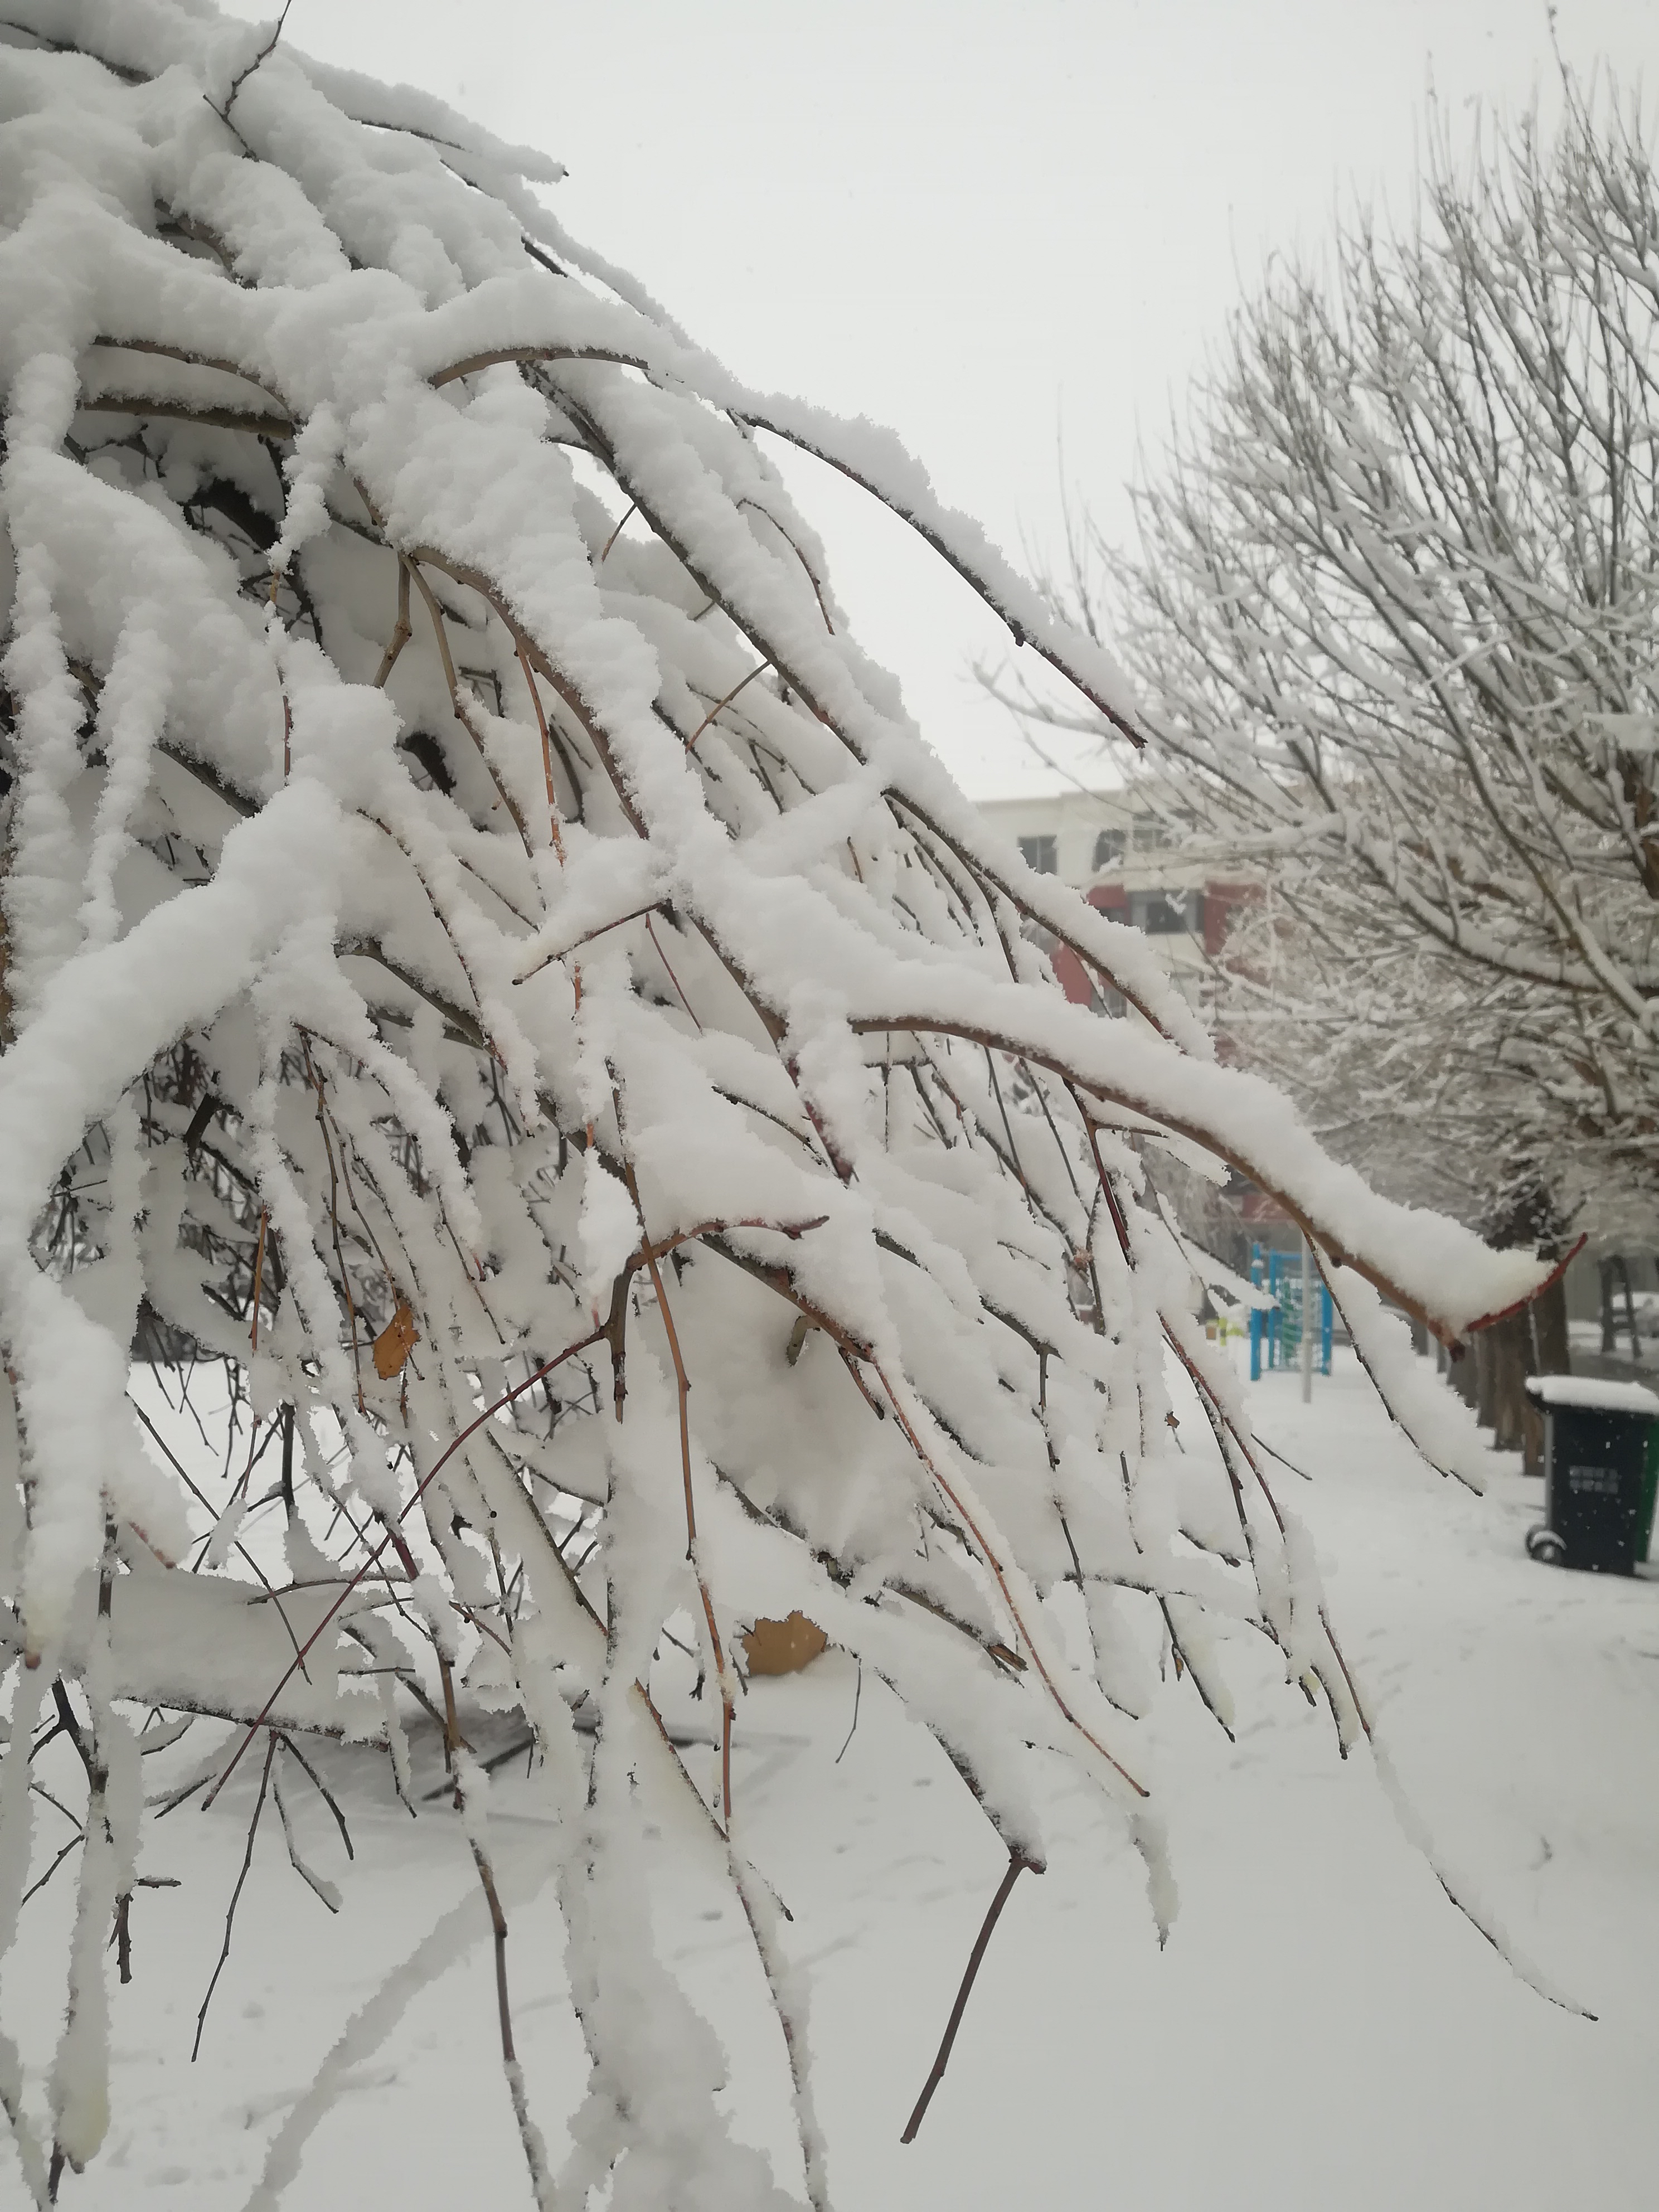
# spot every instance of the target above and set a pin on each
(783, 1647)
(396, 1341)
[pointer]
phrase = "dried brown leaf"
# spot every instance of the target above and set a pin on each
(396, 1341)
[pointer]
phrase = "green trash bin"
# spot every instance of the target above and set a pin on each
(1600, 1472)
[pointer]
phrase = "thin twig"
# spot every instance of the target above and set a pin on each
(258, 1277)
(457, 701)
(1016, 1868)
(858, 1693)
(684, 1389)
(720, 705)
(594, 1336)
(401, 631)
(632, 507)
(235, 1898)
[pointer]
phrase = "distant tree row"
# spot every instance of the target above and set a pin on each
(1392, 610)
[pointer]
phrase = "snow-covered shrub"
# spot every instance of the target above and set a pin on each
(489, 961)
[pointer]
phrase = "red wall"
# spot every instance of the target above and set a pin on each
(1221, 901)
(1111, 900)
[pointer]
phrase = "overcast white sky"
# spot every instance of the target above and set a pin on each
(976, 221)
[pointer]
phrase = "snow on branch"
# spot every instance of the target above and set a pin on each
(490, 975)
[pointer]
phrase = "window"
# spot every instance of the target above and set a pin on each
(1156, 833)
(1109, 847)
(1167, 914)
(1039, 853)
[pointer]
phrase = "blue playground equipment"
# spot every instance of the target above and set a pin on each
(1279, 1329)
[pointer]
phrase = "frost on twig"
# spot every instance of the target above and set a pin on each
(516, 998)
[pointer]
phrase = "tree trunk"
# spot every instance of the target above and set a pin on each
(1535, 1340)
(1510, 1358)
(1548, 1323)
(1548, 1316)
(1485, 1377)
(1463, 1375)
(5, 958)
(1629, 1314)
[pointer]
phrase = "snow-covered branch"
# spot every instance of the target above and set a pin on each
(488, 964)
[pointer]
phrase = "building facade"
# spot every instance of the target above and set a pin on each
(1122, 851)
(1119, 851)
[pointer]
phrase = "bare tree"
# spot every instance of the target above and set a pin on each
(1394, 610)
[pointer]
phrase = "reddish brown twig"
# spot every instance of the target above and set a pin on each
(235, 1897)
(507, 1398)
(547, 752)
(457, 701)
(334, 1218)
(651, 932)
(1016, 1868)
(817, 591)
(202, 1498)
(683, 1386)
(605, 550)
(258, 1277)
(401, 631)
(720, 705)
(1205, 1134)
(982, 1544)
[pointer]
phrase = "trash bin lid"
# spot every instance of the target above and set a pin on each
(1593, 1395)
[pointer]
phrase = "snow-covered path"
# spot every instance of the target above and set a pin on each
(1323, 2032)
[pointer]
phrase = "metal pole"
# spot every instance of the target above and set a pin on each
(1306, 1320)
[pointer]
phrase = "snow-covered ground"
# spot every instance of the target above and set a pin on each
(1323, 2032)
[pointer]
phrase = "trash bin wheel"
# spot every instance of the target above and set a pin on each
(1545, 1546)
